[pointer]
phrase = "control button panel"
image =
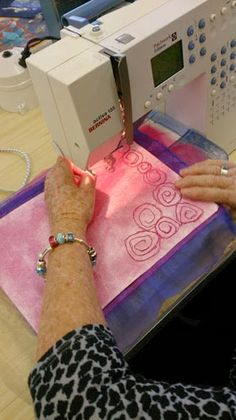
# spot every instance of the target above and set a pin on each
(207, 49)
(222, 80)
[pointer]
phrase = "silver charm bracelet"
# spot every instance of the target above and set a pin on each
(26, 159)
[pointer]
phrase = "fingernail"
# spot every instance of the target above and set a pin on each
(90, 171)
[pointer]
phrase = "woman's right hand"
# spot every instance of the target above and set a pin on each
(70, 203)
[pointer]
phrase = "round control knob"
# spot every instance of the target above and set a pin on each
(213, 17)
(159, 96)
(213, 92)
(232, 78)
(96, 28)
(171, 88)
(223, 11)
(147, 104)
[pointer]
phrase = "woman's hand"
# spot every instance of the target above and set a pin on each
(203, 181)
(70, 197)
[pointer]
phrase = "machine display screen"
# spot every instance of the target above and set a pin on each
(167, 63)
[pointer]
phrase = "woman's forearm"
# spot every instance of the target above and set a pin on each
(70, 298)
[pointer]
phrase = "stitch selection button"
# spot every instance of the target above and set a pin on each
(213, 57)
(192, 59)
(190, 31)
(203, 52)
(191, 45)
(213, 81)
(202, 38)
(233, 43)
(201, 23)
(213, 69)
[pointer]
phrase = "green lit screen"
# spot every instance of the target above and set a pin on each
(167, 63)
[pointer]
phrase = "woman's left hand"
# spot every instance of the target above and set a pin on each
(204, 181)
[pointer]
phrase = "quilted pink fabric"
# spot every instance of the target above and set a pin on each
(139, 217)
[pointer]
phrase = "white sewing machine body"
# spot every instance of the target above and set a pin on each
(175, 56)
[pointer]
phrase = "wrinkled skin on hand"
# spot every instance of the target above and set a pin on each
(203, 181)
(69, 195)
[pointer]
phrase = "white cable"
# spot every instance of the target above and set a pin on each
(26, 159)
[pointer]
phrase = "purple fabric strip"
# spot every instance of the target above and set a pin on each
(22, 196)
(160, 151)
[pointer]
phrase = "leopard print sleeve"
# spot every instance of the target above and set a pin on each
(84, 376)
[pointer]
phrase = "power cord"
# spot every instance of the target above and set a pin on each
(32, 43)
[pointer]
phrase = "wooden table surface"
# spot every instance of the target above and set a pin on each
(17, 340)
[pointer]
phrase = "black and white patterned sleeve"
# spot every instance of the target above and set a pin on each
(84, 376)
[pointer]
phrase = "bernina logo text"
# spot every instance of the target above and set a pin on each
(101, 119)
(162, 43)
(99, 123)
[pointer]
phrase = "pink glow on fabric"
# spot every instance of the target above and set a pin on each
(139, 217)
(161, 134)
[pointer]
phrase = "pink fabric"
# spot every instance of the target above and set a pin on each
(139, 217)
(159, 133)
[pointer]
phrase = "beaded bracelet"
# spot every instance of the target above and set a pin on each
(60, 239)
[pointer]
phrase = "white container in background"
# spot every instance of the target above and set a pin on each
(16, 90)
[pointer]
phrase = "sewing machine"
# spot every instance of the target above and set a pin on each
(176, 56)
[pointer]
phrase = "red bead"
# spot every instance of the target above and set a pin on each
(52, 241)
